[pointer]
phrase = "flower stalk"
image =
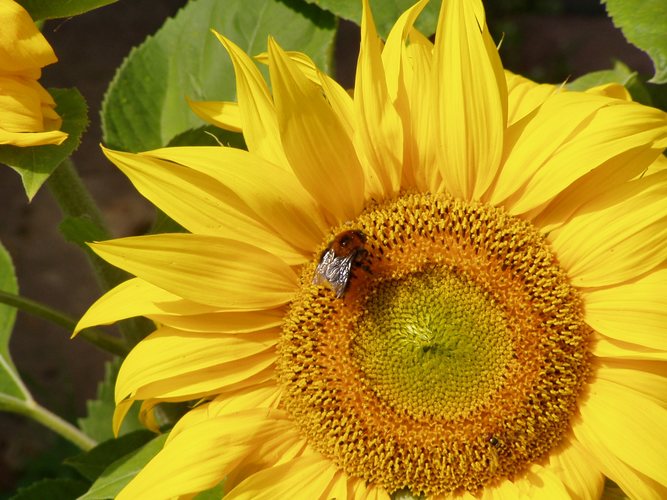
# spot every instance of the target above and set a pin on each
(96, 337)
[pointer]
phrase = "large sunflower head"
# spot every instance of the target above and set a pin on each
(451, 283)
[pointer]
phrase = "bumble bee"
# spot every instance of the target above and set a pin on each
(338, 258)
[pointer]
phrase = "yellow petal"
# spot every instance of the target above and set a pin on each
(304, 477)
(610, 348)
(532, 140)
(201, 456)
(200, 203)
(119, 414)
(27, 139)
(136, 297)
(635, 312)
(608, 242)
(226, 115)
(22, 46)
(578, 471)
(471, 99)
(337, 96)
(258, 114)
(525, 96)
(627, 423)
(378, 131)
(648, 378)
(633, 483)
(317, 146)
(610, 132)
(543, 482)
(597, 182)
(223, 273)
(181, 365)
(223, 322)
(274, 195)
(409, 87)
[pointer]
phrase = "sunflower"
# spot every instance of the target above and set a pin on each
(27, 110)
(451, 283)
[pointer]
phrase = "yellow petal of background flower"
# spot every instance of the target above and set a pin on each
(219, 272)
(379, 132)
(630, 425)
(258, 114)
(273, 194)
(635, 312)
(200, 203)
(22, 46)
(609, 132)
(605, 243)
(317, 146)
(200, 456)
(471, 99)
(172, 364)
(225, 115)
(578, 471)
(304, 477)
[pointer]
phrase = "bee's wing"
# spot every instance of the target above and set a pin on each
(335, 271)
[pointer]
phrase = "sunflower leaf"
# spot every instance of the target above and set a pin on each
(385, 13)
(619, 74)
(53, 489)
(121, 472)
(97, 424)
(644, 26)
(12, 390)
(35, 164)
(48, 9)
(93, 463)
(145, 105)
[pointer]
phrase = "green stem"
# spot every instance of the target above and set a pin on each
(96, 337)
(40, 414)
(75, 201)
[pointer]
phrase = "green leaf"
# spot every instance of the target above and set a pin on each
(50, 9)
(53, 489)
(121, 472)
(208, 135)
(145, 105)
(35, 164)
(82, 229)
(215, 493)
(619, 74)
(12, 389)
(385, 13)
(93, 463)
(644, 24)
(97, 424)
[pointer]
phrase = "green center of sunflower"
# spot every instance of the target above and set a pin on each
(432, 343)
(448, 353)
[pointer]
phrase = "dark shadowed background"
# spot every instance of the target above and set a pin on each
(549, 40)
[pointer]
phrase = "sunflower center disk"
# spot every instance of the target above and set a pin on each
(432, 344)
(454, 358)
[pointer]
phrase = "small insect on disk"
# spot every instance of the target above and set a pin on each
(337, 260)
